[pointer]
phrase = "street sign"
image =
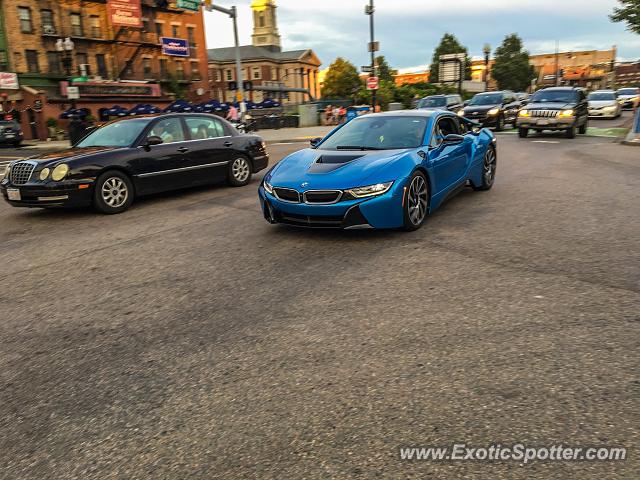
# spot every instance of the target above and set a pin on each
(366, 69)
(79, 79)
(193, 5)
(177, 47)
(374, 46)
(9, 81)
(372, 83)
(73, 93)
(125, 13)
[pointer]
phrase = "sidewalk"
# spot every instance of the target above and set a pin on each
(284, 135)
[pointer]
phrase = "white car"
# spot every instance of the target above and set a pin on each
(629, 97)
(604, 104)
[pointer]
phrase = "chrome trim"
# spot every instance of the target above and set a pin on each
(19, 164)
(275, 194)
(183, 169)
(340, 193)
(53, 199)
(261, 157)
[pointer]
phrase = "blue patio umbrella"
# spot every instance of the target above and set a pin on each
(140, 109)
(117, 111)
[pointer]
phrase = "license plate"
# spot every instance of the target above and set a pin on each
(9, 135)
(543, 122)
(14, 194)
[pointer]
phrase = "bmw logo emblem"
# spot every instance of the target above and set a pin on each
(304, 184)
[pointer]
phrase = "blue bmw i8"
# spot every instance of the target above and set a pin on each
(384, 170)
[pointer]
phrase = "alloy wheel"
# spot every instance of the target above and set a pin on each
(418, 199)
(489, 172)
(114, 192)
(240, 169)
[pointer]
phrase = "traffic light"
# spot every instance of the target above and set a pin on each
(208, 5)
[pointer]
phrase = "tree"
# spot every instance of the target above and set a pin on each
(384, 71)
(342, 80)
(448, 44)
(511, 69)
(628, 12)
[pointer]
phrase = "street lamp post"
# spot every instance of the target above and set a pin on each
(487, 52)
(370, 10)
(65, 50)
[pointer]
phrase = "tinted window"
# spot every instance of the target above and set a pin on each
(562, 96)
(486, 99)
(380, 132)
(628, 91)
(203, 127)
(169, 130)
(432, 102)
(119, 134)
(602, 96)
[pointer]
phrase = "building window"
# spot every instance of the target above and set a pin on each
(32, 61)
(261, 21)
(163, 68)
(83, 64)
(26, 24)
(195, 71)
(159, 29)
(76, 25)
(256, 73)
(4, 64)
(191, 36)
(101, 64)
(218, 75)
(228, 74)
(96, 27)
(274, 73)
(146, 67)
(46, 18)
(53, 61)
(145, 29)
(180, 70)
(128, 69)
(175, 31)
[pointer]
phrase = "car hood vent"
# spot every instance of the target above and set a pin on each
(329, 163)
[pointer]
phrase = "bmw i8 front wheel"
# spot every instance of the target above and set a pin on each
(416, 201)
(488, 170)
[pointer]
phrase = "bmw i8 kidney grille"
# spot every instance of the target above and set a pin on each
(287, 194)
(21, 172)
(544, 113)
(322, 196)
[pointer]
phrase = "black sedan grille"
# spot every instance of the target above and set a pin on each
(287, 194)
(21, 172)
(322, 196)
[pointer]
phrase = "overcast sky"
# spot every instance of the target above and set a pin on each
(409, 30)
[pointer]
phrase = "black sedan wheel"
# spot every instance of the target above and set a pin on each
(113, 193)
(499, 124)
(239, 172)
(488, 170)
(416, 202)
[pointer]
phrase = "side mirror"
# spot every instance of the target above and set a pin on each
(453, 139)
(315, 142)
(465, 103)
(153, 140)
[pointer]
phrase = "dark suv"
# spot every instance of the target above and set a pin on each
(493, 109)
(556, 108)
(452, 102)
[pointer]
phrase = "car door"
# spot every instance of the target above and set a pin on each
(210, 148)
(449, 162)
(160, 167)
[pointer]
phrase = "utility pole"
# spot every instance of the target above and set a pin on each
(233, 14)
(369, 10)
(557, 63)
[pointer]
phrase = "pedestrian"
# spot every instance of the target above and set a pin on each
(336, 115)
(232, 115)
(343, 114)
(328, 112)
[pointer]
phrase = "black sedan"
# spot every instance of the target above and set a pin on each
(128, 158)
(10, 133)
(493, 109)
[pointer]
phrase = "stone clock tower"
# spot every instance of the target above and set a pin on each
(265, 25)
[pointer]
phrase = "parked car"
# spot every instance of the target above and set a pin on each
(629, 98)
(522, 97)
(493, 109)
(10, 133)
(556, 108)
(604, 103)
(384, 170)
(452, 102)
(136, 156)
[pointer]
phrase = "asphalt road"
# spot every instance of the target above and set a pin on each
(188, 339)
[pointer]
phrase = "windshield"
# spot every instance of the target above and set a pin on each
(486, 99)
(560, 96)
(378, 133)
(433, 102)
(602, 96)
(628, 91)
(119, 134)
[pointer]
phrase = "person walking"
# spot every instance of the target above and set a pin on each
(232, 115)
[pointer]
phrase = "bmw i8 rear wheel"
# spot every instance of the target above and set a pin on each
(416, 201)
(488, 170)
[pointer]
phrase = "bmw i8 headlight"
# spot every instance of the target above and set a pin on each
(60, 172)
(268, 188)
(44, 174)
(370, 190)
(493, 111)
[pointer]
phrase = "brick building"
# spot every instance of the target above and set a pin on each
(289, 76)
(112, 64)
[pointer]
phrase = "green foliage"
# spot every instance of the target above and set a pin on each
(342, 80)
(52, 122)
(448, 44)
(512, 70)
(384, 71)
(628, 12)
(173, 86)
